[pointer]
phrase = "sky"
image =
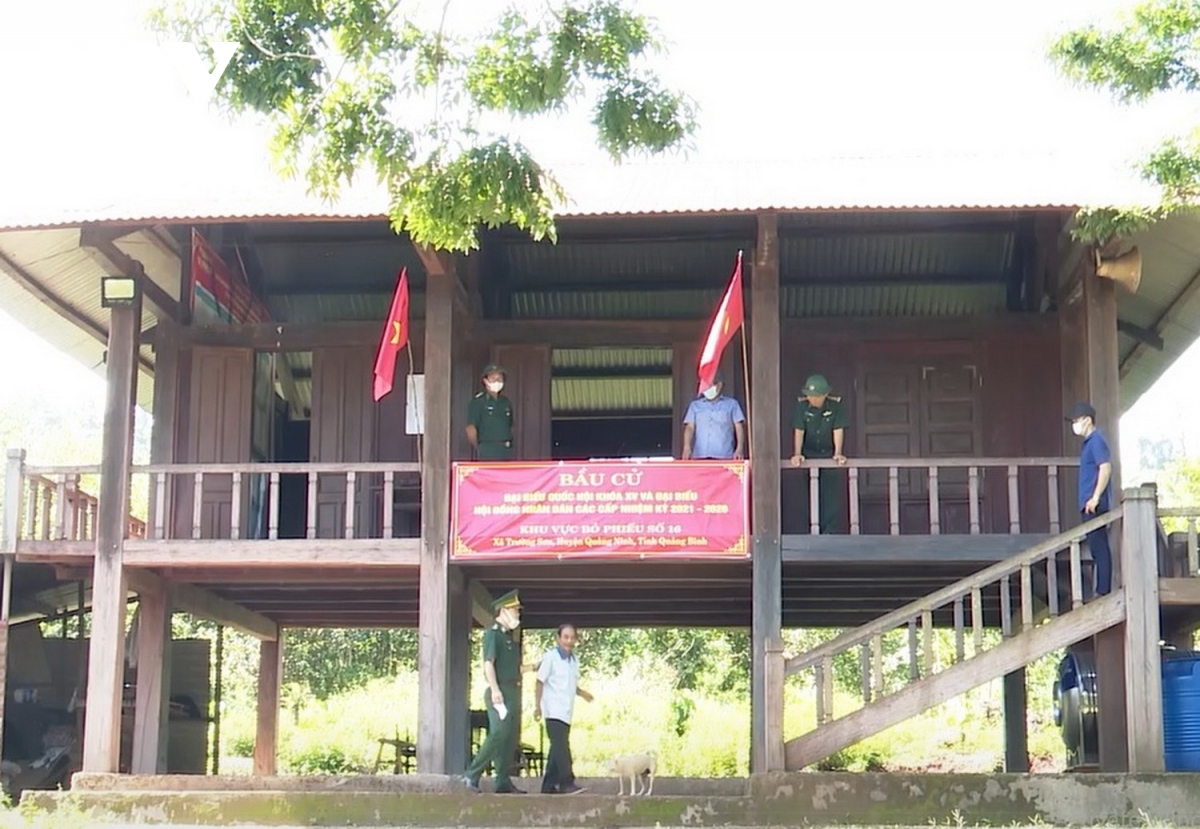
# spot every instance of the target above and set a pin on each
(94, 112)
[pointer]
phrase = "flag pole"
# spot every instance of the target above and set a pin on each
(418, 408)
(745, 370)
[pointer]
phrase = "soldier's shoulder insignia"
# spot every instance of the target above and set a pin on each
(479, 395)
(835, 399)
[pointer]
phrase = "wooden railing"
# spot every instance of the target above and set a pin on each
(217, 501)
(1189, 518)
(1003, 595)
(56, 507)
(941, 483)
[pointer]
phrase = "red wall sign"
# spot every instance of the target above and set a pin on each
(601, 509)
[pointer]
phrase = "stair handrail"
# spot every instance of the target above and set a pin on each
(896, 618)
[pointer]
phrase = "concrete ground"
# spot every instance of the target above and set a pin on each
(788, 799)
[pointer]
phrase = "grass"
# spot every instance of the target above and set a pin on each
(696, 733)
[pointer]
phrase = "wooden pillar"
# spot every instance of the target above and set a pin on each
(166, 406)
(266, 735)
(9, 532)
(433, 618)
(458, 729)
(152, 699)
(766, 697)
(1016, 723)
(106, 653)
(1143, 661)
(1088, 328)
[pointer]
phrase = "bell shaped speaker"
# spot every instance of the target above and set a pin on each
(1125, 269)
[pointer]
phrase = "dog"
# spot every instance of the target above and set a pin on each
(635, 767)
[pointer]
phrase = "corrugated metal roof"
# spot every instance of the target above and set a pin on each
(697, 261)
(636, 189)
(611, 358)
(314, 308)
(962, 254)
(1170, 263)
(891, 300)
(621, 304)
(601, 395)
(55, 260)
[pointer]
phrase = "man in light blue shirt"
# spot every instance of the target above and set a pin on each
(714, 426)
(557, 687)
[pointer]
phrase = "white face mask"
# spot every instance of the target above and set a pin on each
(509, 619)
(711, 393)
(1077, 427)
(494, 386)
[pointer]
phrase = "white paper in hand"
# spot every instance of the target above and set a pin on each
(502, 711)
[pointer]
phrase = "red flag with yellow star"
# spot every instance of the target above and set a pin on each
(395, 337)
(729, 318)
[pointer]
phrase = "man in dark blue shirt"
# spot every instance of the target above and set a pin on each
(1095, 497)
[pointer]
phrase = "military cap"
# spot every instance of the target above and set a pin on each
(816, 385)
(1082, 410)
(492, 368)
(509, 599)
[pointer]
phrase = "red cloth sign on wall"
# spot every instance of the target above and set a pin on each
(600, 509)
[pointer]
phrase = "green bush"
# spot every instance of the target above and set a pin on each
(321, 760)
(241, 745)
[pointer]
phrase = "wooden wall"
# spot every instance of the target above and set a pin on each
(982, 388)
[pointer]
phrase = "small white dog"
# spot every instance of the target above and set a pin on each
(635, 767)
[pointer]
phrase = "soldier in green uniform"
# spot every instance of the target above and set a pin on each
(502, 699)
(819, 431)
(490, 419)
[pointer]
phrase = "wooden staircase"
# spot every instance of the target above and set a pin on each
(1023, 597)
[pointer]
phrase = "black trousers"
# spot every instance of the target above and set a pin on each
(559, 773)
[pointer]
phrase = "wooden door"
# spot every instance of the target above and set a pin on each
(917, 409)
(343, 430)
(527, 383)
(219, 415)
(951, 427)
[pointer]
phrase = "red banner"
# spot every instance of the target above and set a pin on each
(218, 295)
(601, 509)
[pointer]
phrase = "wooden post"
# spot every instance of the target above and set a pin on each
(1016, 730)
(152, 700)
(166, 413)
(766, 735)
(106, 653)
(1143, 662)
(433, 618)
(270, 675)
(9, 533)
(458, 729)
(1088, 337)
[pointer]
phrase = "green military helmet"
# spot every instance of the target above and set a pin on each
(816, 386)
(492, 368)
(509, 599)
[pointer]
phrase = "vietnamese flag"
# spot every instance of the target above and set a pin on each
(729, 318)
(394, 338)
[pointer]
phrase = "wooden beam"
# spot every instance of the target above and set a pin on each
(1145, 336)
(481, 604)
(1179, 592)
(97, 243)
(1143, 661)
(434, 625)
(106, 655)
(766, 746)
(203, 604)
(153, 690)
(266, 733)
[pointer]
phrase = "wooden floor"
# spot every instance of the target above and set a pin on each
(827, 581)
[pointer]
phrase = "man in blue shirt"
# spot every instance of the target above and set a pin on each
(557, 687)
(1095, 496)
(714, 426)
